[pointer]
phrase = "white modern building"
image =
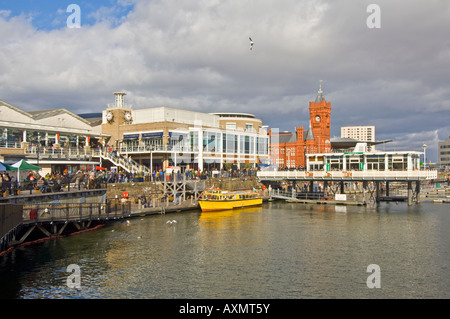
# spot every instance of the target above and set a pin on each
(159, 137)
(139, 139)
(55, 139)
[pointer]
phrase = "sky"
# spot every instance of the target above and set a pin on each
(387, 67)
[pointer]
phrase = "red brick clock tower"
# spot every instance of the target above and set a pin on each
(319, 114)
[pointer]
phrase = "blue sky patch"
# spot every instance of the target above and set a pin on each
(52, 14)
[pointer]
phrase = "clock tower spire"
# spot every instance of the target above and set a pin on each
(319, 112)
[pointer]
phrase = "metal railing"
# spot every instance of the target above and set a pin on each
(381, 175)
(127, 163)
(276, 193)
(75, 212)
(51, 186)
(10, 145)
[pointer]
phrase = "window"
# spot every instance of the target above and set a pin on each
(231, 126)
(247, 145)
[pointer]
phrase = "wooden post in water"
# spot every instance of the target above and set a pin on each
(365, 189)
(377, 190)
(418, 192)
(410, 193)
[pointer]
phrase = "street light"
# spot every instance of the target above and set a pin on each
(424, 146)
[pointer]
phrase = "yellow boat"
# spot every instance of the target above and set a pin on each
(216, 199)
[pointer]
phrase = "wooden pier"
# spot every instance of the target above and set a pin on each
(26, 224)
(333, 181)
(312, 198)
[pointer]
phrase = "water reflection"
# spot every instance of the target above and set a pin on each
(279, 250)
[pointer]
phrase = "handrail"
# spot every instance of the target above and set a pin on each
(70, 212)
(127, 163)
(425, 175)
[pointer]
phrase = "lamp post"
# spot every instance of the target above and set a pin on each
(424, 146)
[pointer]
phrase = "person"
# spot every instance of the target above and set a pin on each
(143, 202)
(57, 183)
(78, 178)
(2, 184)
(91, 181)
(42, 184)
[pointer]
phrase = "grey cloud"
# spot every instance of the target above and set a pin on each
(195, 55)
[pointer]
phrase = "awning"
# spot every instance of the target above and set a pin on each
(153, 134)
(131, 136)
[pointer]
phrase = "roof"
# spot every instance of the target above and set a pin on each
(93, 118)
(232, 114)
(319, 97)
(346, 142)
(284, 138)
(309, 134)
(15, 108)
(38, 115)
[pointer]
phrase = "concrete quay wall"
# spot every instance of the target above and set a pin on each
(155, 190)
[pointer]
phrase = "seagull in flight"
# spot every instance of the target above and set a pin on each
(251, 43)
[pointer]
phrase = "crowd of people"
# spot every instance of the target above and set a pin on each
(8, 184)
(84, 179)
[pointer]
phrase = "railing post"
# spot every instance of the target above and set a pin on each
(107, 210)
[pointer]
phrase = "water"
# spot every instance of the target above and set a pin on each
(280, 250)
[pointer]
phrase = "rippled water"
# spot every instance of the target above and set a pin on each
(280, 250)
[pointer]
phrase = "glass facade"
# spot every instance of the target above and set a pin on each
(10, 137)
(367, 162)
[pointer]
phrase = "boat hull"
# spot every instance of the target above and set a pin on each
(213, 205)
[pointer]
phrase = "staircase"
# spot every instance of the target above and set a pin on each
(127, 164)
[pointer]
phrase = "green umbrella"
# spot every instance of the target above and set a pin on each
(6, 167)
(24, 166)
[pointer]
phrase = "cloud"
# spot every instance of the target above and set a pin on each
(195, 55)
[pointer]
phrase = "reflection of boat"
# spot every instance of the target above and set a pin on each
(216, 199)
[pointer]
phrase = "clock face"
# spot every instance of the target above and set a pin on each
(317, 118)
(109, 116)
(128, 116)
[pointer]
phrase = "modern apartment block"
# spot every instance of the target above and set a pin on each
(360, 133)
(444, 152)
